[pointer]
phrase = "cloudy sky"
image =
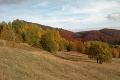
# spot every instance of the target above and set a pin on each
(74, 15)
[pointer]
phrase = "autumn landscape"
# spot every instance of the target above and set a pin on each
(59, 39)
(30, 51)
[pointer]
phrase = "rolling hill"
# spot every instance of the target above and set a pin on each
(28, 63)
(66, 34)
(110, 36)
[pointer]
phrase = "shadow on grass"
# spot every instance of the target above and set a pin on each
(74, 58)
(0, 77)
(72, 55)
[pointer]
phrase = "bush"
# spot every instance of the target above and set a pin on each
(115, 53)
(79, 47)
(48, 44)
(70, 47)
(108, 57)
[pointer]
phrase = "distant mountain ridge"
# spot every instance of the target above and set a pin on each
(111, 36)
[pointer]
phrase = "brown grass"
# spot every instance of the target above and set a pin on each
(21, 64)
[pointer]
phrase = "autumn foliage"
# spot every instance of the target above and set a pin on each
(40, 36)
(115, 52)
(98, 50)
(110, 36)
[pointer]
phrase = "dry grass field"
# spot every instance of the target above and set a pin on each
(33, 64)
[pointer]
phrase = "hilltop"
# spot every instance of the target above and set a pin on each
(68, 35)
(110, 36)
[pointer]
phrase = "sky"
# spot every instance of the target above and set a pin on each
(73, 15)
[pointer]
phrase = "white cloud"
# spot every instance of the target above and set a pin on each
(72, 16)
(68, 14)
(67, 7)
(114, 16)
(95, 11)
(92, 7)
(42, 4)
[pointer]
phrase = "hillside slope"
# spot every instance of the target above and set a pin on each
(18, 64)
(105, 35)
(66, 34)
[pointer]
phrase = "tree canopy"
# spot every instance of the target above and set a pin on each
(37, 36)
(99, 49)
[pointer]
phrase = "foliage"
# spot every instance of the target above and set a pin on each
(79, 47)
(40, 36)
(110, 36)
(108, 56)
(70, 46)
(62, 44)
(48, 44)
(68, 35)
(4, 33)
(99, 50)
(115, 52)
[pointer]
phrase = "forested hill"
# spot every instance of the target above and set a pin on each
(111, 36)
(54, 39)
(66, 34)
(36, 35)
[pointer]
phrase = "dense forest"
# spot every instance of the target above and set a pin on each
(39, 36)
(110, 36)
(93, 43)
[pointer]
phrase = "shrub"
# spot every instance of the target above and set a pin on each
(48, 44)
(108, 57)
(70, 46)
(115, 53)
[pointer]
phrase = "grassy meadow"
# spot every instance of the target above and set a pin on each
(27, 63)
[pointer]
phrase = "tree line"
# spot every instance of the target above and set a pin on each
(38, 36)
(50, 40)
